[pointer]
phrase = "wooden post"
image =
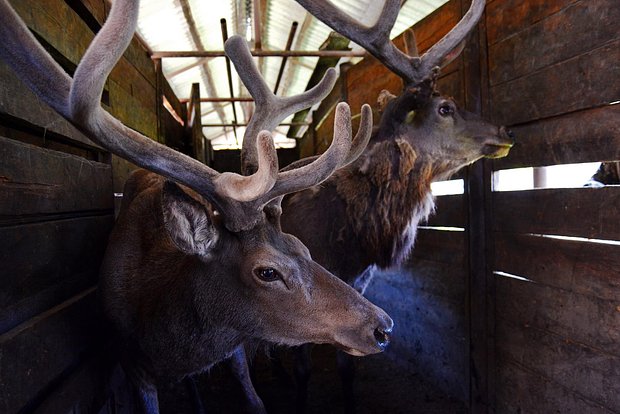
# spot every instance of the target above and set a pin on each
(159, 99)
(479, 235)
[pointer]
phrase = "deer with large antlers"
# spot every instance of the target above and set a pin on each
(365, 216)
(197, 263)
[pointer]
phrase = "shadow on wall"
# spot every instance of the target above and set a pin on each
(430, 324)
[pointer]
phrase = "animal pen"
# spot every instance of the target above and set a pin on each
(508, 303)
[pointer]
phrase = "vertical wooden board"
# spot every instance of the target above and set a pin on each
(584, 136)
(41, 350)
(581, 212)
(587, 372)
(590, 269)
(451, 85)
(582, 82)
(507, 17)
(522, 391)
(578, 29)
(45, 263)
(35, 181)
(579, 318)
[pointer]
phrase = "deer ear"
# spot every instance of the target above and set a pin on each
(384, 98)
(188, 221)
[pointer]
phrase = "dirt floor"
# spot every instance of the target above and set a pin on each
(381, 387)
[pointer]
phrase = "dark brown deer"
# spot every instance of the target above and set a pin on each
(366, 214)
(197, 263)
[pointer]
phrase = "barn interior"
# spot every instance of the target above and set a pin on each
(510, 299)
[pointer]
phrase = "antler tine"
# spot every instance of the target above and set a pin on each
(442, 52)
(270, 109)
(78, 101)
(361, 138)
(360, 141)
(376, 39)
(319, 170)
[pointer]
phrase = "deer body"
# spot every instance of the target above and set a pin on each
(369, 211)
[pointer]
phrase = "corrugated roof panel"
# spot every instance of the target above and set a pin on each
(163, 25)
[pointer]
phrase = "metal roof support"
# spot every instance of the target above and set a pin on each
(289, 43)
(229, 73)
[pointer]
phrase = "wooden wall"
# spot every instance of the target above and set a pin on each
(428, 297)
(554, 67)
(56, 211)
(549, 70)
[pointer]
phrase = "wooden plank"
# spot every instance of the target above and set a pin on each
(581, 319)
(38, 352)
(449, 211)
(35, 181)
(45, 263)
(29, 108)
(585, 81)
(521, 391)
(578, 29)
(440, 246)
(584, 136)
(581, 212)
(507, 17)
(132, 112)
(589, 269)
(588, 373)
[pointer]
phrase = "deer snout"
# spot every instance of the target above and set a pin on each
(382, 333)
(508, 134)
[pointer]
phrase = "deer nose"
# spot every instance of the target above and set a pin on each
(507, 132)
(382, 334)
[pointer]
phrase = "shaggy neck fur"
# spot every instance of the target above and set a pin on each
(387, 193)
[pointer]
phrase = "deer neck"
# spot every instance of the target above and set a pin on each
(387, 193)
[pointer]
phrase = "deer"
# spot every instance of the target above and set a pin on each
(197, 263)
(365, 216)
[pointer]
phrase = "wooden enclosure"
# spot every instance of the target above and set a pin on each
(548, 69)
(56, 211)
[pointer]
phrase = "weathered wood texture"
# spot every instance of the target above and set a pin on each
(427, 300)
(428, 297)
(554, 68)
(580, 212)
(38, 353)
(56, 211)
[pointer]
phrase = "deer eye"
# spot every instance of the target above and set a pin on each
(267, 274)
(445, 110)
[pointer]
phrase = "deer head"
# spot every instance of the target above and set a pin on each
(197, 261)
(432, 124)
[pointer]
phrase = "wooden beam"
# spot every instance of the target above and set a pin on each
(259, 53)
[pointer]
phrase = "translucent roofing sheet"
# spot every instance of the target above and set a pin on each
(164, 26)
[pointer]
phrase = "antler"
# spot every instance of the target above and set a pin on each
(376, 39)
(78, 100)
(270, 110)
(240, 198)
